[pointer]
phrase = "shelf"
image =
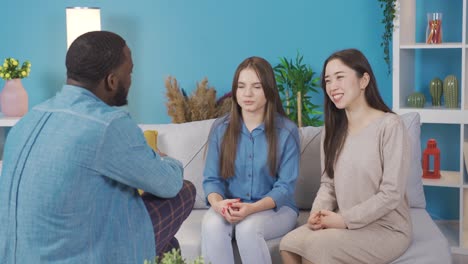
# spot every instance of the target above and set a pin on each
(464, 242)
(447, 179)
(438, 115)
(448, 45)
(8, 121)
(451, 230)
(415, 65)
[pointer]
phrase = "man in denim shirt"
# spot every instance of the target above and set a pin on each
(72, 167)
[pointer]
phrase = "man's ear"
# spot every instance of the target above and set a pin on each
(364, 81)
(111, 82)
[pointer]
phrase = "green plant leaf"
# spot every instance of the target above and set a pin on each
(296, 76)
(388, 7)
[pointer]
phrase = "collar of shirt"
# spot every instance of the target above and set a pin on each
(256, 131)
(72, 89)
(260, 128)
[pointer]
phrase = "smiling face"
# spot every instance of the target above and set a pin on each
(249, 93)
(344, 88)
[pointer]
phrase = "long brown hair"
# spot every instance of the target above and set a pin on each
(272, 108)
(336, 121)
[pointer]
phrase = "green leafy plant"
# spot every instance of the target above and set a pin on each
(174, 257)
(10, 69)
(388, 7)
(296, 84)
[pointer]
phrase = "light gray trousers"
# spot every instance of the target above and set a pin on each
(250, 234)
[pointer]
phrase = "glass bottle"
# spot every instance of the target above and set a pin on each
(434, 28)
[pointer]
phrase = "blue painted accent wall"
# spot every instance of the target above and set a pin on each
(192, 40)
(195, 39)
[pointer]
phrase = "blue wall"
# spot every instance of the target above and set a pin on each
(192, 40)
(195, 39)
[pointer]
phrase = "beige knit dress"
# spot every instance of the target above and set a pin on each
(369, 192)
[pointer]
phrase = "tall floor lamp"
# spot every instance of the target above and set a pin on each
(81, 20)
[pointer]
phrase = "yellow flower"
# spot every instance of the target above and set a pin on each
(1, 75)
(11, 69)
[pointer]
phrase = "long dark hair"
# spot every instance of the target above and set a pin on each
(272, 108)
(336, 121)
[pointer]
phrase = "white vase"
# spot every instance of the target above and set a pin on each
(14, 99)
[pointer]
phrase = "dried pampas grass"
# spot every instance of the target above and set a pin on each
(200, 105)
(224, 104)
(176, 103)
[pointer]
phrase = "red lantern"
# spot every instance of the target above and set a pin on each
(431, 151)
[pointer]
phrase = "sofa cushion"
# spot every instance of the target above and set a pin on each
(151, 137)
(186, 142)
(414, 187)
(308, 181)
(429, 246)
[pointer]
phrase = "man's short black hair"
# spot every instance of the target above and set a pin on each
(93, 55)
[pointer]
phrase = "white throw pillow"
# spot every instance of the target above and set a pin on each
(186, 142)
(308, 181)
(414, 188)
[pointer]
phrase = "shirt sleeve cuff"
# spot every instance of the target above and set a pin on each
(173, 161)
(213, 188)
(348, 222)
(278, 198)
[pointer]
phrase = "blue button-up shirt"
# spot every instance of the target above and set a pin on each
(252, 180)
(68, 185)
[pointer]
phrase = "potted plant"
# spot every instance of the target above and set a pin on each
(296, 84)
(13, 98)
(200, 105)
(389, 11)
(174, 257)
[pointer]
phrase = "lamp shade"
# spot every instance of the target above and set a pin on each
(81, 20)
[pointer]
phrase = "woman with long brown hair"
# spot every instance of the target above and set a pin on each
(251, 168)
(360, 213)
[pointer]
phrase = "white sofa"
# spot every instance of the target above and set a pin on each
(186, 142)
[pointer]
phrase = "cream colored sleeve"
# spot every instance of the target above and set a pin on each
(326, 198)
(395, 155)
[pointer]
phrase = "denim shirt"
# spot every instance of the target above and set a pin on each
(68, 185)
(252, 180)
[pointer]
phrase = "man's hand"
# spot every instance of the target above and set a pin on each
(331, 219)
(162, 154)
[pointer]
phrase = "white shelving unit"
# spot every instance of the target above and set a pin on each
(407, 53)
(8, 121)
